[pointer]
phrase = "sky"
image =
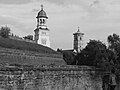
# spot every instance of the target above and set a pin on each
(97, 19)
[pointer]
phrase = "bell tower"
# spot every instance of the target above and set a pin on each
(42, 32)
(78, 41)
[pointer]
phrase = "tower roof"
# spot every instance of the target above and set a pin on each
(78, 32)
(42, 13)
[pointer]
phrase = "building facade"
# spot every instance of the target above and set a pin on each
(42, 32)
(78, 41)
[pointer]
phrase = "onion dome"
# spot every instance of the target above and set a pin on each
(42, 13)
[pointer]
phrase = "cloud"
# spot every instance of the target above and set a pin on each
(13, 24)
(35, 10)
(14, 1)
(95, 2)
(65, 16)
(19, 17)
(64, 2)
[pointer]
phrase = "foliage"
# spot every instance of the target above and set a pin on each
(114, 46)
(29, 37)
(97, 54)
(5, 31)
(114, 42)
(94, 54)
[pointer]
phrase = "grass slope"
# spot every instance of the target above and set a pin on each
(22, 45)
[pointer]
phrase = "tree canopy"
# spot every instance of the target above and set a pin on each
(94, 54)
(114, 42)
(4, 32)
(97, 54)
(114, 46)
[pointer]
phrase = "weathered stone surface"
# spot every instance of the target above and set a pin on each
(54, 78)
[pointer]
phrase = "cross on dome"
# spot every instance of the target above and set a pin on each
(41, 6)
(78, 29)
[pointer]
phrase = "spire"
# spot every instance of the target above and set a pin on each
(41, 6)
(78, 29)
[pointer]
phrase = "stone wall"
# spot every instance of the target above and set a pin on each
(51, 78)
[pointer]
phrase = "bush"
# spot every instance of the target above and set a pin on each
(29, 37)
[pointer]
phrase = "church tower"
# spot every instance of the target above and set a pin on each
(42, 32)
(78, 41)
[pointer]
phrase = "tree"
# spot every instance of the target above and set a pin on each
(114, 42)
(114, 46)
(5, 31)
(94, 54)
(30, 37)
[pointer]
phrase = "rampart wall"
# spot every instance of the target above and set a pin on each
(51, 78)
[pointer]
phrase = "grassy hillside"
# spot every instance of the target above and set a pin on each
(22, 45)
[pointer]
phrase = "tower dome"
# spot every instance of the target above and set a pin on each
(42, 13)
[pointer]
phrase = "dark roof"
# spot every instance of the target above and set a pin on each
(69, 50)
(44, 28)
(41, 14)
(41, 28)
(79, 33)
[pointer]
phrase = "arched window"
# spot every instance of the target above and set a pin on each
(80, 38)
(40, 21)
(43, 20)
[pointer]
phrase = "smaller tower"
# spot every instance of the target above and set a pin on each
(78, 40)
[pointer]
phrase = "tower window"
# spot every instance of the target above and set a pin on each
(80, 38)
(43, 20)
(40, 21)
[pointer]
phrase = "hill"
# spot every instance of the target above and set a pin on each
(22, 45)
(25, 53)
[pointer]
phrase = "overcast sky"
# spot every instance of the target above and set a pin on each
(96, 18)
